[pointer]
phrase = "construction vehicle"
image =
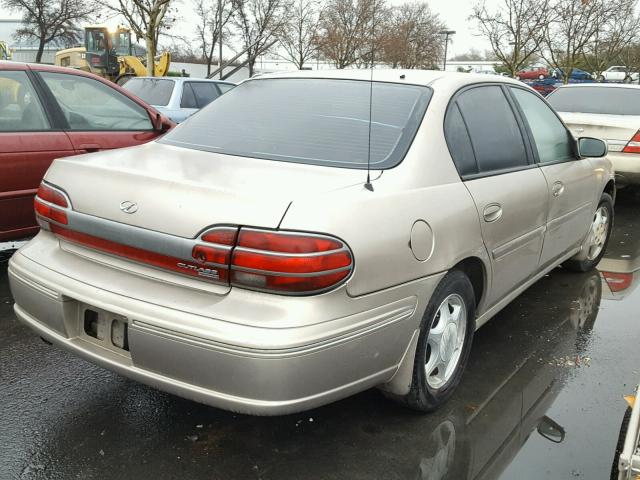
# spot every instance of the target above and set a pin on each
(5, 52)
(110, 54)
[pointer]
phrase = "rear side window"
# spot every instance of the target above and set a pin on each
(205, 93)
(224, 87)
(599, 100)
(492, 127)
(90, 105)
(459, 142)
(551, 138)
(308, 120)
(154, 91)
(20, 108)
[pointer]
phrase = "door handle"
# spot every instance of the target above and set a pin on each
(89, 147)
(492, 212)
(557, 189)
(579, 130)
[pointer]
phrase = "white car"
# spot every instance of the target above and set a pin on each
(618, 73)
(607, 111)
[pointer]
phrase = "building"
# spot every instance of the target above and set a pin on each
(25, 50)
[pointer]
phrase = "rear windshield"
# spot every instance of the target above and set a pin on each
(313, 121)
(153, 91)
(604, 100)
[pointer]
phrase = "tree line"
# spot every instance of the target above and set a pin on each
(566, 34)
(346, 33)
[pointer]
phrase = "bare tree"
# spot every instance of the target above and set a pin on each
(513, 30)
(350, 31)
(49, 20)
(615, 32)
(258, 22)
(299, 37)
(630, 57)
(209, 29)
(573, 25)
(147, 19)
(412, 39)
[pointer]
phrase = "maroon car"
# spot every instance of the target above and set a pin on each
(49, 112)
(532, 73)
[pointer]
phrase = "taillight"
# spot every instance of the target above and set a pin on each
(284, 262)
(634, 144)
(46, 201)
(618, 281)
(95, 61)
(265, 260)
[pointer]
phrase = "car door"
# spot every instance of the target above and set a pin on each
(488, 146)
(98, 116)
(30, 140)
(571, 182)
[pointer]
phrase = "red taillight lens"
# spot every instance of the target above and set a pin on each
(634, 144)
(95, 60)
(50, 195)
(286, 243)
(289, 262)
(618, 281)
(48, 210)
(50, 213)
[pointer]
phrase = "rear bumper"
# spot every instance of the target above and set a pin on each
(627, 167)
(249, 369)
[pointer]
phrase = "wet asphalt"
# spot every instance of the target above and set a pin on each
(542, 399)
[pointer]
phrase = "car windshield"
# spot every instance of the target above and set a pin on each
(153, 91)
(312, 121)
(602, 100)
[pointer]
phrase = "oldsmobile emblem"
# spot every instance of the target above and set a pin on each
(129, 207)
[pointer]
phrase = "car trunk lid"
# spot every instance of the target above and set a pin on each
(616, 130)
(156, 199)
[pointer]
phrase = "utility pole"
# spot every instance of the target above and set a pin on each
(447, 34)
(220, 36)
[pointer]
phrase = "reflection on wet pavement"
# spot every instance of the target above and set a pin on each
(541, 399)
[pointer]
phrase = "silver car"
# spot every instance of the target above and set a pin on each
(177, 97)
(607, 111)
(310, 235)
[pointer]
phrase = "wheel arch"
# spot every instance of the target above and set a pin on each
(475, 269)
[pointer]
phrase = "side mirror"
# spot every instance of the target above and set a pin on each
(592, 147)
(551, 430)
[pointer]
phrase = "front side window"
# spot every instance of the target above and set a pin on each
(493, 129)
(88, 104)
(552, 140)
(154, 91)
(599, 100)
(20, 108)
(308, 120)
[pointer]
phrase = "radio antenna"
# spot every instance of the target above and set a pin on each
(368, 185)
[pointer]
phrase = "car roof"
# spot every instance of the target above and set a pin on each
(601, 85)
(414, 77)
(188, 79)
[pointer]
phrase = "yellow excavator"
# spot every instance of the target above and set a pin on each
(111, 55)
(5, 52)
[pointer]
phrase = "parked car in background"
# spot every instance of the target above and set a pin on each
(177, 97)
(533, 73)
(249, 251)
(51, 112)
(607, 111)
(618, 73)
(576, 74)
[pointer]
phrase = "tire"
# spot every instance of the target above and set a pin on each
(601, 78)
(423, 395)
(586, 264)
(620, 445)
(627, 79)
